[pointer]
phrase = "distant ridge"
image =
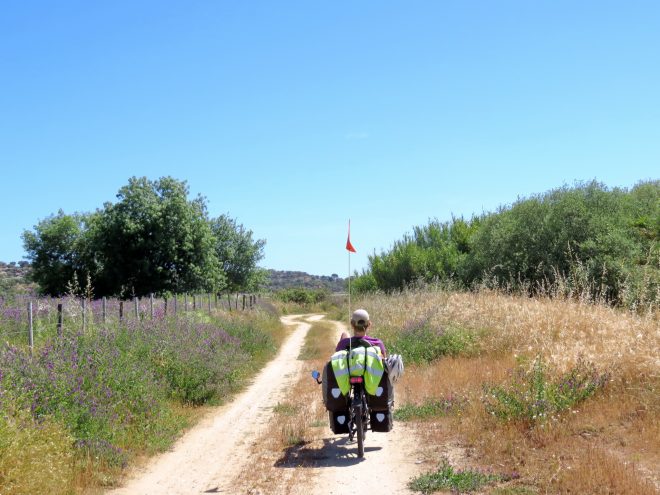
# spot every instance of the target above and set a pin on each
(288, 279)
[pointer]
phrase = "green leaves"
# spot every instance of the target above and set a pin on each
(586, 241)
(152, 240)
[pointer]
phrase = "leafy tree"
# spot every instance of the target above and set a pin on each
(155, 240)
(238, 254)
(55, 249)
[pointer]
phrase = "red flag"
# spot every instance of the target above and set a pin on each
(349, 246)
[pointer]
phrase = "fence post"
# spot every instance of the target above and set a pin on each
(243, 302)
(229, 301)
(137, 308)
(104, 310)
(30, 327)
(216, 300)
(165, 306)
(60, 319)
(185, 302)
(175, 304)
(209, 303)
(151, 305)
(194, 302)
(84, 314)
(121, 311)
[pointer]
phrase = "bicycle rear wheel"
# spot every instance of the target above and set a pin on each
(359, 426)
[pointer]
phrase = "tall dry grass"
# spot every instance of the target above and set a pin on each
(609, 443)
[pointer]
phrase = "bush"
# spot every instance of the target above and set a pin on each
(531, 396)
(302, 296)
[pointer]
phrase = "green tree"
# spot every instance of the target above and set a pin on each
(238, 254)
(153, 239)
(55, 248)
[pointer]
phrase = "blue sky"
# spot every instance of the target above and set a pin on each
(295, 116)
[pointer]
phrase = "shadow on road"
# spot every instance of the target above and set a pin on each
(334, 453)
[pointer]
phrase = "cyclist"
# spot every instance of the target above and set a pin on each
(360, 323)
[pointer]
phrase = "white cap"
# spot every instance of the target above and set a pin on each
(360, 317)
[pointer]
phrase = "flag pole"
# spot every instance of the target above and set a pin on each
(349, 285)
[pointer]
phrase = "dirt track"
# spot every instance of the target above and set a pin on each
(213, 456)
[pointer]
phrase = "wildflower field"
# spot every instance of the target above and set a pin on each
(77, 408)
(520, 395)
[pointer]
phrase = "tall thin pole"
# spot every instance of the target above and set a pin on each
(349, 287)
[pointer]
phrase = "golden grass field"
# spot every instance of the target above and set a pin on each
(610, 443)
(606, 444)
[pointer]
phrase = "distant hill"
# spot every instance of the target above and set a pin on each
(286, 279)
(14, 278)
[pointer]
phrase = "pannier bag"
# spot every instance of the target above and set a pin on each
(339, 421)
(361, 361)
(333, 399)
(383, 398)
(381, 421)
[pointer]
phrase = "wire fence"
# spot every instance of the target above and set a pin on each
(25, 317)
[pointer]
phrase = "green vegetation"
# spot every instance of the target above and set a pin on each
(448, 478)
(88, 402)
(531, 397)
(152, 240)
(586, 241)
(302, 296)
(420, 341)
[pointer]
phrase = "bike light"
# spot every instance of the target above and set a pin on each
(356, 379)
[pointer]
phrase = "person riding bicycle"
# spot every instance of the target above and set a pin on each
(360, 323)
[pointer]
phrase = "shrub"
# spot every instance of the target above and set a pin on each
(532, 397)
(302, 296)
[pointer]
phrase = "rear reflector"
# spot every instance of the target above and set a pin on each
(356, 379)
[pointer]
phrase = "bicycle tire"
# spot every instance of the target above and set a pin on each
(359, 426)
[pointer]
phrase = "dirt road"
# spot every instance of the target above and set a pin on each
(214, 456)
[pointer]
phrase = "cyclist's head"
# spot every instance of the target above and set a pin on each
(360, 320)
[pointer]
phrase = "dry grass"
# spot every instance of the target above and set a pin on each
(608, 444)
(31, 458)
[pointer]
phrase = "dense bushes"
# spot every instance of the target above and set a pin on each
(302, 296)
(586, 240)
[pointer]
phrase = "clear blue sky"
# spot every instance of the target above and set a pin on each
(295, 116)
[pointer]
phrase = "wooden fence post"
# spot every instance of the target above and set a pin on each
(105, 308)
(209, 303)
(185, 302)
(165, 306)
(137, 308)
(60, 320)
(229, 301)
(175, 304)
(243, 302)
(30, 327)
(151, 305)
(121, 311)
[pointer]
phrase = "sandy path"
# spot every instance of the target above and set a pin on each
(390, 461)
(209, 456)
(329, 465)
